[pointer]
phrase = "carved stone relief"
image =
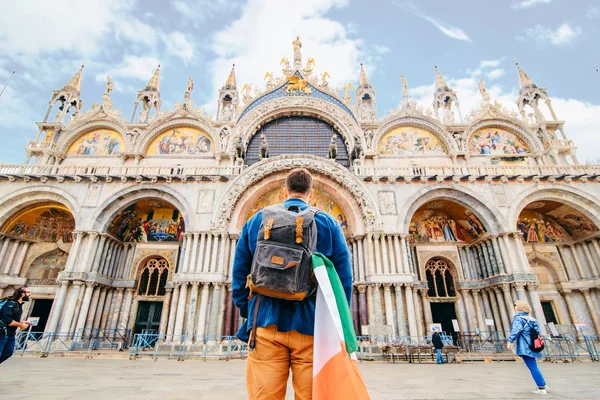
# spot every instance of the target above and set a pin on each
(387, 203)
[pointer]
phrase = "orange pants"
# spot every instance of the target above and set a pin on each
(268, 365)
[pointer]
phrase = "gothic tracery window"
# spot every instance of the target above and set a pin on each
(153, 278)
(440, 279)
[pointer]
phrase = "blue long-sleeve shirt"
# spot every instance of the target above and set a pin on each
(287, 315)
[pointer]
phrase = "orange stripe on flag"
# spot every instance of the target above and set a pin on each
(339, 379)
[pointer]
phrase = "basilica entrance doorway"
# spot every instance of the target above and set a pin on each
(41, 308)
(148, 316)
(444, 313)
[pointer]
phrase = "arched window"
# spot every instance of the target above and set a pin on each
(153, 278)
(440, 279)
(297, 135)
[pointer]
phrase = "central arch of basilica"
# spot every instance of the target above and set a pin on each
(132, 225)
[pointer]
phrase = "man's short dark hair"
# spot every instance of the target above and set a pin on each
(298, 181)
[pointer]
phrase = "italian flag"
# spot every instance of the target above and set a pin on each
(335, 366)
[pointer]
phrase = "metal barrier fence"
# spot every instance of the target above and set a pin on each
(62, 342)
(182, 347)
(376, 348)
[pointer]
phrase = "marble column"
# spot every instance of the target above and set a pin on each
(180, 314)
(201, 327)
(570, 307)
(594, 243)
(214, 310)
(362, 301)
(471, 318)
(575, 256)
(591, 261)
(229, 312)
(99, 308)
(461, 313)
(371, 306)
(123, 319)
(5, 242)
(215, 255)
(508, 301)
(85, 306)
(426, 310)
(503, 309)
(464, 264)
(377, 249)
(57, 307)
(410, 309)
(206, 260)
(361, 259)
(389, 311)
(18, 264)
(482, 261)
(397, 268)
(67, 315)
(199, 267)
(353, 247)
(499, 261)
(370, 258)
(222, 253)
(74, 252)
(107, 305)
(173, 310)
(487, 305)
(593, 311)
(234, 239)
(11, 257)
(400, 310)
(478, 313)
(404, 249)
(186, 249)
(191, 319)
(164, 316)
(509, 260)
(419, 312)
(98, 256)
(519, 249)
(354, 312)
(224, 264)
(492, 256)
(193, 263)
(89, 321)
(377, 304)
(384, 254)
(486, 256)
(115, 307)
(478, 263)
(537, 308)
(566, 265)
(520, 289)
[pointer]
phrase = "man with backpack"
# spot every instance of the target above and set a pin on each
(11, 309)
(525, 331)
(275, 290)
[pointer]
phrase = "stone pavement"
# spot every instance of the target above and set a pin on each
(76, 378)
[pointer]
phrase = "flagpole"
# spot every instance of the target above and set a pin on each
(7, 82)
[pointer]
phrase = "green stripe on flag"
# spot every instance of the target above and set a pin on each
(340, 299)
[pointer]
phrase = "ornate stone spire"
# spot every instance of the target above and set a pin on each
(154, 83)
(525, 82)
(363, 80)
(297, 53)
(440, 83)
(74, 84)
(230, 83)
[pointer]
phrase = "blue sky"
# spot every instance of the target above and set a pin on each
(555, 41)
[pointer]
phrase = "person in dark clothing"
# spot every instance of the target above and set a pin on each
(10, 320)
(436, 339)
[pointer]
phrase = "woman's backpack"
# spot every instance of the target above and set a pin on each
(536, 343)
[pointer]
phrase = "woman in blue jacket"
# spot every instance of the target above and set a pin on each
(519, 331)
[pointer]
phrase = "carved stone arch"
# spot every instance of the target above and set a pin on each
(513, 127)
(20, 199)
(162, 125)
(250, 123)
(488, 214)
(69, 137)
(439, 131)
(104, 214)
(266, 168)
(549, 263)
(585, 203)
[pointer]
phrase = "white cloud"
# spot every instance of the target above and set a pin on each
(593, 12)
(448, 30)
(381, 49)
(563, 35)
(200, 11)
(495, 73)
(489, 63)
(528, 3)
(140, 68)
(180, 45)
(258, 47)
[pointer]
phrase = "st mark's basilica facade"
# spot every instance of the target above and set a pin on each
(119, 223)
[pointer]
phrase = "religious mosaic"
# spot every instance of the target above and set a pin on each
(320, 199)
(496, 141)
(550, 222)
(148, 220)
(44, 222)
(410, 141)
(102, 142)
(446, 223)
(181, 141)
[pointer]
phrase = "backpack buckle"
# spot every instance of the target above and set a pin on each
(268, 228)
(299, 222)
